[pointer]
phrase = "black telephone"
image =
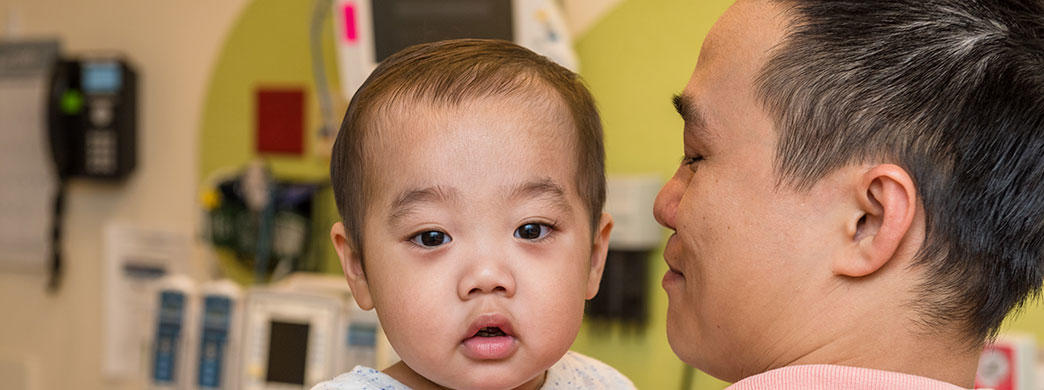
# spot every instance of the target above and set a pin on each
(92, 118)
(92, 125)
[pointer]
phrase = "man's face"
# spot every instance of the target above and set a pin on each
(478, 245)
(745, 250)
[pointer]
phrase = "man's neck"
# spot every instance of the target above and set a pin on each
(893, 347)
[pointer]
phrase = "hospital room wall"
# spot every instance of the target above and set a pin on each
(57, 338)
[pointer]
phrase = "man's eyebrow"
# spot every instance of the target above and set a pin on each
(407, 200)
(544, 188)
(689, 112)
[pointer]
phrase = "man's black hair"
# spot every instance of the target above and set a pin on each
(953, 92)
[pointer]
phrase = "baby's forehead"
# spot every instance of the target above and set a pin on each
(394, 119)
(493, 133)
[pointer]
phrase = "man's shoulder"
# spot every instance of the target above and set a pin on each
(826, 376)
(361, 378)
(577, 371)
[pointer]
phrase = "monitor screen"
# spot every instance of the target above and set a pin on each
(287, 352)
(101, 77)
(398, 24)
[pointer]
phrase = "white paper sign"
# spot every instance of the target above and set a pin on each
(134, 258)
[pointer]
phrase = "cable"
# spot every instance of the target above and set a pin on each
(322, 9)
(56, 238)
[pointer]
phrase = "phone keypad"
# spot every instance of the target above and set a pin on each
(101, 151)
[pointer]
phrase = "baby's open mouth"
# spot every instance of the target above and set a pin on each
(490, 331)
(490, 337)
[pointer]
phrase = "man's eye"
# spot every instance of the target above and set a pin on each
(689, 160)
(431, 239)
(532, 231)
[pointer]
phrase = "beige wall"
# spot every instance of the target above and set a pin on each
(173, 44)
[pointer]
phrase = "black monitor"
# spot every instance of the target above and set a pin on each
(398, 24)
(287, 352)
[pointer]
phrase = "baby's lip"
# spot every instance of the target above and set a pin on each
(490, 345)
(489, 320)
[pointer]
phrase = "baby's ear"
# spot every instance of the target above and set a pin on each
(599, 250)
(351, 264)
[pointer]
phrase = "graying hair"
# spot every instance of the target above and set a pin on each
(952, 91)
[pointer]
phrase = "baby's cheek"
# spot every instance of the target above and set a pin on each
(558, 317)
(412, 320)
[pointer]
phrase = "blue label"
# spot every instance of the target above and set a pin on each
(168, 332)
(362, 335)
(216, 323)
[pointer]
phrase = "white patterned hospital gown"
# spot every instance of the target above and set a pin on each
(573, 371)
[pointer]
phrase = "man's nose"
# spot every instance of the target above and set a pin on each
(486, 275)
(666, 206)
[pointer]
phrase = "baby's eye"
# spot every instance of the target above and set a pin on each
(431, 239)
(532, 231)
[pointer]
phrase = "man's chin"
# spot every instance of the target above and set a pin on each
(684, 342)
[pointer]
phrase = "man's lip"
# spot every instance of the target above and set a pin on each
(489, 320)
(668, 254)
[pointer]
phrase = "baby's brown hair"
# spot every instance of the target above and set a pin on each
(446, 74)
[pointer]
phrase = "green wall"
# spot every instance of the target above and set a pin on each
(634, 61)
(267, 47)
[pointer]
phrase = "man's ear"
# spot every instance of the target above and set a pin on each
(887, 205)
(351, 264)
(599, 250)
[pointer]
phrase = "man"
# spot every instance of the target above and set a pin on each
(861, 200)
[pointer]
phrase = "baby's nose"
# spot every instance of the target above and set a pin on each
(486, 277)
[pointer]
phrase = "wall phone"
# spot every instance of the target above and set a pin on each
(92, 107)
(92, 118)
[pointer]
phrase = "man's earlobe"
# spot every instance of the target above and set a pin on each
(887, 200)
(351, 264)
(599, 251)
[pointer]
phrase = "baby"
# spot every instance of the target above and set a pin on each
(469, 175)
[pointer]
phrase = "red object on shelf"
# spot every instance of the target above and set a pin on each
(349, 23)
(280, 120)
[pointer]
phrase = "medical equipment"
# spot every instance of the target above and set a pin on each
(368, 31)
(288, 339)
(299, 332)
(363, 331)
(623, 296)
(219, 331)
(173, 333)
(1009, 363)
(260, 224)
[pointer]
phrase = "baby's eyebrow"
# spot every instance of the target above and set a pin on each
(545, 188)
(405, 202)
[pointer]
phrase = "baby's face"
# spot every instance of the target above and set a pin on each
(478, 246)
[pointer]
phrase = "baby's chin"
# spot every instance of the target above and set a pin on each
(497, 381)
(498, 375)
